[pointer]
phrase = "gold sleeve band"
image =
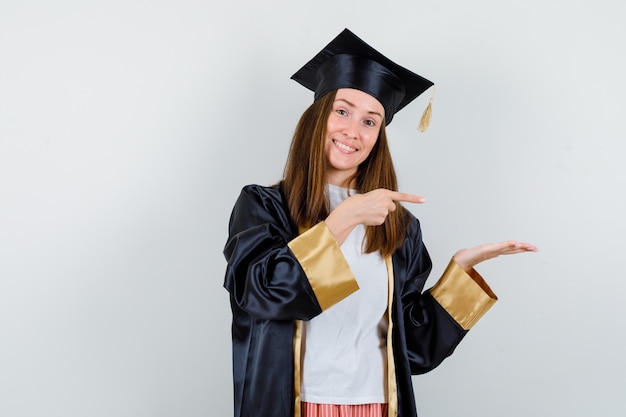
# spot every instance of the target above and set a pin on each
(464, 295)
(323, 262)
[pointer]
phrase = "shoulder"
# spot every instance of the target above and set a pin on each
(412, 255)
(261, 204)
(413, 229)
(412, 237)
(262, 191)
(261, 195)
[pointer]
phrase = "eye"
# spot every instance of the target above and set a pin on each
(342, 112)
(370, 123)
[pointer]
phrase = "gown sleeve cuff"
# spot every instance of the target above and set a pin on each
(325, 266)
(464, 295)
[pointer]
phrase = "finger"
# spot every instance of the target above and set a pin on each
(520, 246)
(406, 197)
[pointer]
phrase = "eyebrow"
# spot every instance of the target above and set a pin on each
(352, 105)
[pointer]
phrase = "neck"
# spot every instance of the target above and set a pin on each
(342, 180)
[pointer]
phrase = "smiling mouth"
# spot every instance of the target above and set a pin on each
(344, 147)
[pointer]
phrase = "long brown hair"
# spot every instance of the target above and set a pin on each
(304, 178)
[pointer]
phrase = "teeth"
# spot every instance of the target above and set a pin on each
(344, 147)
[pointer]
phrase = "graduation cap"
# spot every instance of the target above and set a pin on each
(349, 62)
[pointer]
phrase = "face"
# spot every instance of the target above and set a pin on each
(352, 132)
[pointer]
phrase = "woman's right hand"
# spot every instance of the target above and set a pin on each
(369, 209)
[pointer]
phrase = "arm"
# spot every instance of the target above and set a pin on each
(274, 273)
(435, 320)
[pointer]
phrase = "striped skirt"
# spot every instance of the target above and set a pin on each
(343, 410)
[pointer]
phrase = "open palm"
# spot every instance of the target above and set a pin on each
(468, 258)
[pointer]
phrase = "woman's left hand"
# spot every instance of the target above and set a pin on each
(468, 258)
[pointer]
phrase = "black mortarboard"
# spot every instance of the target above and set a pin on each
(349, 62)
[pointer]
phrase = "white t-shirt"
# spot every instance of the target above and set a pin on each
(344, 348)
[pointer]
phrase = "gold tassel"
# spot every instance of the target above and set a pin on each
(425, 122)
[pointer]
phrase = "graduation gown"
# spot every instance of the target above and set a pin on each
(278, 276)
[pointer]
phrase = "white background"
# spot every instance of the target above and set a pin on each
(127, 129)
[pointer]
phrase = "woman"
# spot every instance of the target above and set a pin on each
(326, 269)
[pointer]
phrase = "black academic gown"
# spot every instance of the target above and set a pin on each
(277, 276)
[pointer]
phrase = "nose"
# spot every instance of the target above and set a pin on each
(351, 129)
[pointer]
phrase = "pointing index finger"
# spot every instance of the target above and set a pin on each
(406, 197)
